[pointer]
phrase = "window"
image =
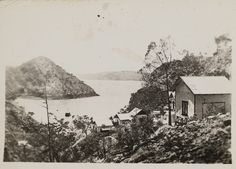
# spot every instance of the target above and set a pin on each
(185, 108)
(213, 108)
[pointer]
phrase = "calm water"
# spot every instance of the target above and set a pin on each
(113, 96)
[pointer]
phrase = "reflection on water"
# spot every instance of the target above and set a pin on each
(113, 96)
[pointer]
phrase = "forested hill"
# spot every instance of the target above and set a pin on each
(219, 64)
(29, 79)
(118, 75)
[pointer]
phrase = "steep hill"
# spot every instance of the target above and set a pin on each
(119, 75)
(29, 80)
(19, 126)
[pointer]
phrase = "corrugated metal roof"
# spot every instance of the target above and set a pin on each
(129, 116)
(125, 116)
(207, 84)
(135, 111)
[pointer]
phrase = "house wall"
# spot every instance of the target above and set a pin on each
(200, 99)
(183, 93)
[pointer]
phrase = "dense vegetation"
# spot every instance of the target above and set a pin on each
(200, 141)
(191, 65)
(27, 140)
(148, 98)
(29, 80)
(79, 140)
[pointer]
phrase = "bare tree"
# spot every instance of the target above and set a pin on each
(48, 119)
(48, 113)
(157, 54)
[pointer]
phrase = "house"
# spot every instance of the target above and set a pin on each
(202, 96)
(125, 118)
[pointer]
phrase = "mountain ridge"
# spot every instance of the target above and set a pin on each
(112, 75)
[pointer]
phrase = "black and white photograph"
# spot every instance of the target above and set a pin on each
(117, 81)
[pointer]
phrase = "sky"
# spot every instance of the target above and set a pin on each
(88, 36)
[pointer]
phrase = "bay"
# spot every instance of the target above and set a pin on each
(113, 95)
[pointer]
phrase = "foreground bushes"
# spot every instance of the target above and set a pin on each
(200, 141)
(205, 141)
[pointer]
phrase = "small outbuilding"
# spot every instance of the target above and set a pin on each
(202, 96)
(125, 118)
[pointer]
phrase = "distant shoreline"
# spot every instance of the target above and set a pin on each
(51, 98)
(112, 79)
(116, 75)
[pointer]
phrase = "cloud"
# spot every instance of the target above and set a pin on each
(75, 37)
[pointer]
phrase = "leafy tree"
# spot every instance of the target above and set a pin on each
(22, 128)
(220, 63)
(138, 132)
(84, 123)
(126, 138)
(90, 146)
(145, 127)
(148, 98)
(63, 138)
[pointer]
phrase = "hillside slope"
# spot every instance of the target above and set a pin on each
(29, 80)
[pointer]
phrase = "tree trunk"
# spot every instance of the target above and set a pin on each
(168, 99)
(49, 131)
(24, 151)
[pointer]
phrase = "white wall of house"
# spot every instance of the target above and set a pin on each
(206, 98)
(183, 93)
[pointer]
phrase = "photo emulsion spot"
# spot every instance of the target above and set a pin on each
(117, 81)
